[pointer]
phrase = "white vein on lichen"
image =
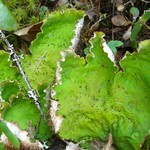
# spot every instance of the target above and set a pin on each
(108, 51)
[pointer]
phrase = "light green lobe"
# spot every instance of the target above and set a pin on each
(95, 100)
(57, 32)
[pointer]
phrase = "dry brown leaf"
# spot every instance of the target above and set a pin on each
(29, 33)
(26, 35)
(120, 20)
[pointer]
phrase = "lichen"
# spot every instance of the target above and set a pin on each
(57, 32)
(95, 100)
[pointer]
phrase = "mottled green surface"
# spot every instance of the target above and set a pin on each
(18, 108)
(2, 147)
(131, 94)
(6, 71)
(96, 101)
(57, 32)
(40, 68)
(8, 89)
(25, 113)
(11, 137)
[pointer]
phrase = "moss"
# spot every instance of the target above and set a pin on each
(24, 11)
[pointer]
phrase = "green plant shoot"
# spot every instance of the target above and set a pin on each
(138, 26)
(12, 138)
(113, 45)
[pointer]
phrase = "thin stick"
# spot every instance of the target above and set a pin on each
(113, 12)
(145, 1)
(91, 3)
(15, 58)
(99, 6)
(146, 26)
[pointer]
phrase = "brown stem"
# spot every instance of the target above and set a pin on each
(99, 6)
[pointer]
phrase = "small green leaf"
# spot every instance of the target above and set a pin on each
(135, 12)
(113, 44)
(12, 138)
(7, 21)
(7, 72)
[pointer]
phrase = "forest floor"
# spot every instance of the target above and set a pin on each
(116, 22)
(114, 18)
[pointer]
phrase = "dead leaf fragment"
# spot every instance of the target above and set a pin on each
(29, 33)
(26, 35)
(98, 145)
(120, 20)
(127, 34)
(120, 7)
(108, 146)
(145, 144)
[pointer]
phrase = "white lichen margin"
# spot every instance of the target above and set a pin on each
(22, 136)
(109, 52)
(106, 49)
(73, 146)
(76, 38)
(57, 120)
(31, 93)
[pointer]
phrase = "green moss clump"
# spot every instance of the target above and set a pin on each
(25, 12)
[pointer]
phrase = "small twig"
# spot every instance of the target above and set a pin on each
(15, 58)
(37, 127)
(91, 3)
(12, 138)
(113, 13)
(41, 59)
(99, 6)
(146, 26)
(145, 1)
